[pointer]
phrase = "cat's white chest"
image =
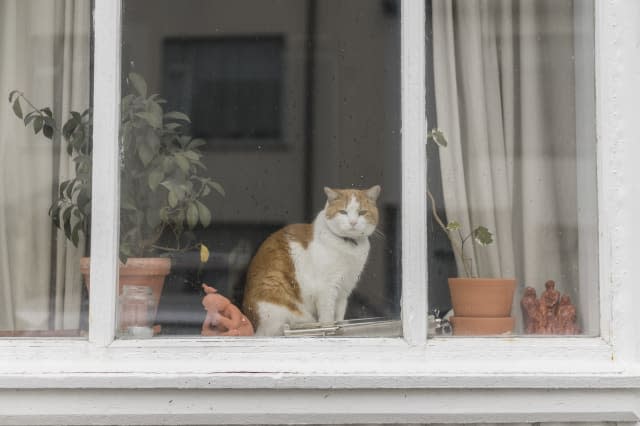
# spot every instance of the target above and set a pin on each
(328, 267)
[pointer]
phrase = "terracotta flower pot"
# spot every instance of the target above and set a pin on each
(482, 297)
(481, 326)
(147, 272)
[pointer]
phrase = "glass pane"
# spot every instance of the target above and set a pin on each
(261, 156)
(514, 191)
(45, 143)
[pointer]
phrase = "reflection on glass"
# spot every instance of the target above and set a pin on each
(512, 167)
(272, 171)
(45, 190)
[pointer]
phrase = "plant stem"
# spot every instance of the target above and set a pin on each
(21, 95)
(458, 249)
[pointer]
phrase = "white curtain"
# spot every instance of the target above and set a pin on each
(505, 98)
(44, 52)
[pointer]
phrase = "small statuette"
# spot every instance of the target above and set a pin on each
(553, 313)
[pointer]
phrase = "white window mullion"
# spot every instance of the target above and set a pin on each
(414, 229)
(105, 194)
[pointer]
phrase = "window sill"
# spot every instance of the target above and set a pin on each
(316, 363)
(224, 381)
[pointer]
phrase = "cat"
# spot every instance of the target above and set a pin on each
(306, 272)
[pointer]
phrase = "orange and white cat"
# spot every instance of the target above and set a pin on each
(306, 272)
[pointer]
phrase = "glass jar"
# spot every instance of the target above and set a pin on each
(136, 311)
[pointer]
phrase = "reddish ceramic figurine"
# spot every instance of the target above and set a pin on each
(566, 316)
(551, 314)
(530, 310)
(223, 317)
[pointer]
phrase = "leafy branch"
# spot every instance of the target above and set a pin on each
(161, 173)
(453, 229)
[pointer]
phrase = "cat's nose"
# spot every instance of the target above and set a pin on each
(353, 222)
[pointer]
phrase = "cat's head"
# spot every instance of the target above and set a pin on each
(352, 213)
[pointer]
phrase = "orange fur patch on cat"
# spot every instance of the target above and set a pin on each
(273, 268)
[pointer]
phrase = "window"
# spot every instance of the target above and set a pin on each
(512, 89)
(410, 379)
(278, 109)
(46, 163)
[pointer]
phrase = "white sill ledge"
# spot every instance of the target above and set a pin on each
(315, 363)
(323, 381)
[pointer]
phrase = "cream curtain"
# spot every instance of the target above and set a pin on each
(44, 52)
(505, 97)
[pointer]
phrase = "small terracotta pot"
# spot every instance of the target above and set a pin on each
(482, 297)
(481, 326)
(148, 272)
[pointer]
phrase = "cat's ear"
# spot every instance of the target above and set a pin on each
(331, 194)
(373, 193)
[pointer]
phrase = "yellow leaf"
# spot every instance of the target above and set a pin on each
(204, 253)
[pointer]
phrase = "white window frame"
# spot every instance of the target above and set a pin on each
(200, 381)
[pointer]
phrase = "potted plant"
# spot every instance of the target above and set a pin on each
(480, 305)
(161, 179)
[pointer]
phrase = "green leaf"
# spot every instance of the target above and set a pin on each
(192, 215)
(172, 126)
(47, 111)
(153, 140)
(69, 127)
(76, 116)
(145, 153)
(217, 187)
(437, 136)
(155, 109)
(138, 84)
(191, 155)
(69, 189)
(47, 131)
(152, 119)
(482, 235)
(66, 219)
(62, 188)
(17, 109)
(54, 212)
(182, 162)
(204, 213)
(197, 142)
(75, 233)
(155, 177)
(156, 98)
(164, 215)
(12, 94)
(125, 252)
(176, 115)
(49, 121)
(30, 117)
(453, 225)
(37, 124)
(172, 198)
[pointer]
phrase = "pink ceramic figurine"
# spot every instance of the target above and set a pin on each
(223, 317)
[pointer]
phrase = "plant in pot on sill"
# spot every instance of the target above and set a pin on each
(162, 184)
(481, 306)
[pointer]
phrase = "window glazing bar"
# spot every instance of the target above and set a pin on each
(414, 229)
(105, 194)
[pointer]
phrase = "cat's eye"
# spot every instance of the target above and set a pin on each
(362, 212)
(342, 212)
